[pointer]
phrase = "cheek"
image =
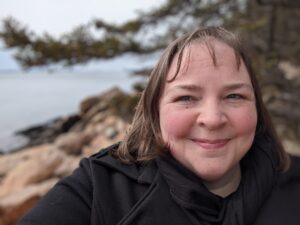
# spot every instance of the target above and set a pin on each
(245, 121)
(175, 124)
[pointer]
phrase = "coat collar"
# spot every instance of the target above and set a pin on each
(156, 206)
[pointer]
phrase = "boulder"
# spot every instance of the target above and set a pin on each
(292, 146)
(111, 132)
(9, 161)
(91, 105)
(48, 132)
(13, 206)
(290, 71)
(71, 143)
(37, 168)
(88, 103)
(67, 166)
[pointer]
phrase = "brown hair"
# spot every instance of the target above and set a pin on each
(143, 141)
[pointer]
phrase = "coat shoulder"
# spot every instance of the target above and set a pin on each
(139, 172)
(282, 207)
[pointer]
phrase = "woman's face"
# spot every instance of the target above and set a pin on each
(208, 114)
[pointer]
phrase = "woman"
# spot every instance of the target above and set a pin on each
(201, 150)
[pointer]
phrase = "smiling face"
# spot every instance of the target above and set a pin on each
(208, 114)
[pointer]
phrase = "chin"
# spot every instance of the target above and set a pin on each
(210, 175)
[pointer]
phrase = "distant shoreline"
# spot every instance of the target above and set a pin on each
(29, 101)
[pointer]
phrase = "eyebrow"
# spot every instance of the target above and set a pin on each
(238, 86)
(193, 87)
(188, 87)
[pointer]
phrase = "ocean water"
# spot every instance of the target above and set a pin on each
(31, 99)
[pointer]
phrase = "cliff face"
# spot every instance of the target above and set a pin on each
(56, 149)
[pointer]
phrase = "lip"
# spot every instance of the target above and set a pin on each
(211, 143)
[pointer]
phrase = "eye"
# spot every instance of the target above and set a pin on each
(235, 96)
(184, 98)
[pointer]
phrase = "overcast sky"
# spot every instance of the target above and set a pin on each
(60, 16)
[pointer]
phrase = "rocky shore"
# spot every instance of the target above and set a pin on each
(55, 149)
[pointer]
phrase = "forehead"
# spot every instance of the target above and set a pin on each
(210, 53)
(204, 64)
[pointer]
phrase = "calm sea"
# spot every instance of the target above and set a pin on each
(31, 99)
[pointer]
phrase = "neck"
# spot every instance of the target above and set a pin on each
(227, 184)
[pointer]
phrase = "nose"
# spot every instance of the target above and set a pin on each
(212, 116)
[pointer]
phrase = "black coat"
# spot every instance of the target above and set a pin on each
(103, 191)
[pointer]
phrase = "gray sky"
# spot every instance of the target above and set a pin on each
(60, 16)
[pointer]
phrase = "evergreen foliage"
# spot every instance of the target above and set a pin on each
(270, 29)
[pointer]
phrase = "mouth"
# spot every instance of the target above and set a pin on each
(211, 143)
